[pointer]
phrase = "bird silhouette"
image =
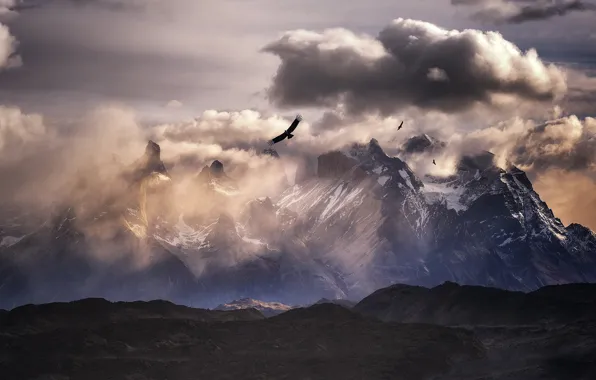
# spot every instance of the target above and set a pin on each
(434, 162)
(401, 125)
(287, 133)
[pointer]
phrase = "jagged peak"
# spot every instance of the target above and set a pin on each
(217, 168)
(153, 149)
(420, 144)
(363, 150)
(265, 201)
(259, 204)
(334, 164)
(215, 174)
(580, 230)
(149, 163)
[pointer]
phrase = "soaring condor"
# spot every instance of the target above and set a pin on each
(287, 133)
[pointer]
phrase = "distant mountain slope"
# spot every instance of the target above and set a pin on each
(345, 303)
(93, 312)
(370, 217)
(268, 309)
(452, 304)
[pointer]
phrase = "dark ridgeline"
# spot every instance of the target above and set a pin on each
(547, 334)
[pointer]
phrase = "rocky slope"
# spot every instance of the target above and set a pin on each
(453, 304)
(546, 334)
(370, 217)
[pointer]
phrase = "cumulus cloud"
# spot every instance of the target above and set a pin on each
(581, 96)
(564, 143)
(250, 130)
(17, 130)
(174, 104)
(520, 11)
(8, 46)
(567, 143)
(410, 63)
(57, 156)
(45, 161)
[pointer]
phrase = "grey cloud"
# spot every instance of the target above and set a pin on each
(176, 49)
(581, 98)
(391, 71)
(114, 5)
(520, 11)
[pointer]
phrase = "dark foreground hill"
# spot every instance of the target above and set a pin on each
(322, 342)
(95, 339)
(452, 304)
(546, 334)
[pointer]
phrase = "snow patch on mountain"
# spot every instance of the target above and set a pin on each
(336, 202)
(9, 241)
(268, 309)
(383, 180)
(184, 236)
(447, 193)
(406, 178)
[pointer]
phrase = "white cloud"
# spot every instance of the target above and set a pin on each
(174, 104)
(18, 130)
(8, 46)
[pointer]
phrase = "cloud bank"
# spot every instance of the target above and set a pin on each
(410, 63)
(442, 82)
(521, 11)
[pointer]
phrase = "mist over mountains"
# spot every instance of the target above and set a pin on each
(356, 221)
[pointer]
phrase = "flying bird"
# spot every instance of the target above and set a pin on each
(401, 125)
(434, 163)
(288, 132)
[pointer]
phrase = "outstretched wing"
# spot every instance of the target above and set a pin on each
(401, 125)
(295, 123)
(277, 139)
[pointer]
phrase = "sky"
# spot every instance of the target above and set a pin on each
(213, 78)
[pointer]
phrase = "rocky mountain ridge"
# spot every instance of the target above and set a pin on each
(362, 221)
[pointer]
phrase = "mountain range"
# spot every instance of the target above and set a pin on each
(357, 221)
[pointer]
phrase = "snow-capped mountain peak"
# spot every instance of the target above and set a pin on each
(361, 221)
(268, 309)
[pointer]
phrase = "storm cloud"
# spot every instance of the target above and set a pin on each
(410, 63)
(521, 11)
